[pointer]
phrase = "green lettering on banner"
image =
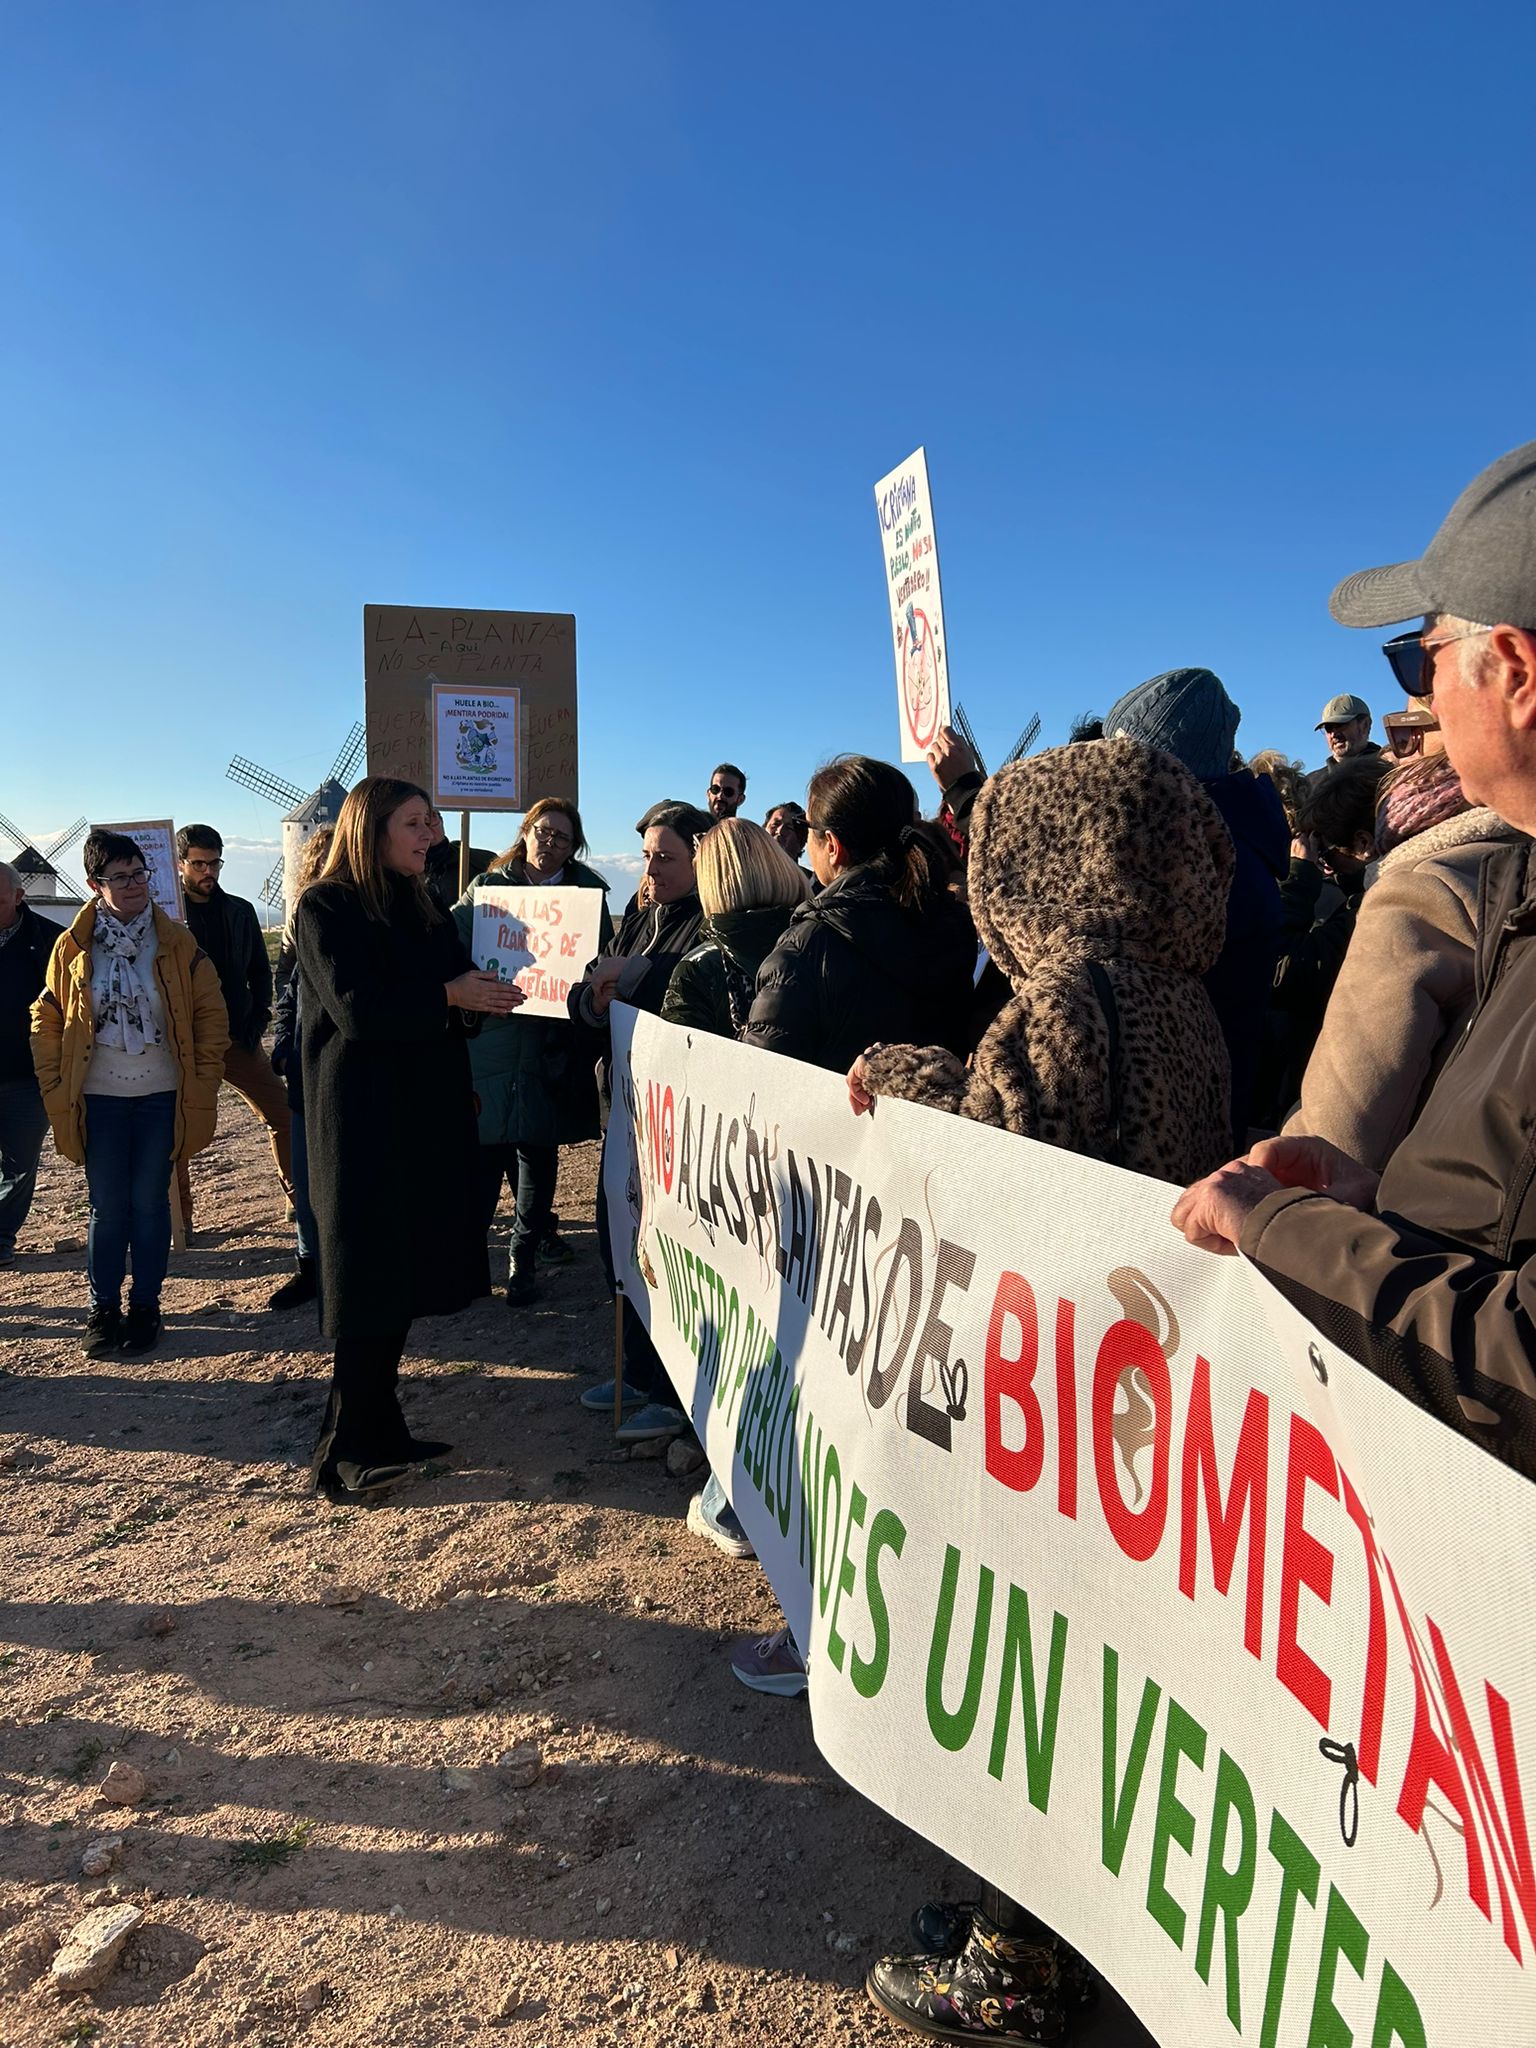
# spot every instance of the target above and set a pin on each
(1172, 1822)
(1344, 1936)
(886, 1532)
(1228, 1892)
(846, 1576)
(830, 1522)
(1019, 1667)
(1300, 1871)
(1397, 2014)
(954, 1730)
(1118, 1806)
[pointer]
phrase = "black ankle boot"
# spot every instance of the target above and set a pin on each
(304, 1286)
(522, 1287)
(1000, 1987)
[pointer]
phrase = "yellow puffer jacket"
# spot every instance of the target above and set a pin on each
(64, 1032)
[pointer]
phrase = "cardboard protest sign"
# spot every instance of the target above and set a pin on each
(156, 840)
(917, 609)
(1115, 1578)
(477, 749)
(543, 939)
(407, 647)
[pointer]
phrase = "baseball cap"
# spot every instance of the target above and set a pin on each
(1481, 565)
(1339, 711)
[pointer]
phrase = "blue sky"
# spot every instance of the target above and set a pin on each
(622, 309)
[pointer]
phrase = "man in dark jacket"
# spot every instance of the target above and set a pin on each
(227, 929)
(1346, 724)
(1427, 1273)
(26, 940)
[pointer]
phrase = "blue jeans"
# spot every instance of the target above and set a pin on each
(128, 1140)
(304, 1215)
(23, 1126)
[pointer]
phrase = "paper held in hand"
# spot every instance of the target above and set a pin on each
(542, 939)
(917, 610)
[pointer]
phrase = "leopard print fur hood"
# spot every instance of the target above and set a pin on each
(1104, 862)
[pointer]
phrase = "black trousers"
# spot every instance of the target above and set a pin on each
(363, 1421)
(532, 1171)
(643, 1368)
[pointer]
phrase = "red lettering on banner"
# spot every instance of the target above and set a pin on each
(1304, 1562)
(1506, 1830)
(668, 1146)
(1126, 1345)
(1011, 1378)
(1373, 1705)
(1066, 1409)
(1248, 1493)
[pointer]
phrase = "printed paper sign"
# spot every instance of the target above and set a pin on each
(543, 939)
(477, 752)
(917, 610)
(1116, 1580)
(156, 840)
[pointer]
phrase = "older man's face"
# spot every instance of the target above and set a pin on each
(10, 901)
(1348, 737)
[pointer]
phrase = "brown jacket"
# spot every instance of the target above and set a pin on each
(1404, 993)
(64, 1033)
(1436, 1292)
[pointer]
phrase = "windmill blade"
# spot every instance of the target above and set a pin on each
(50, 853)
(264, 782)
(1025, 741)
(13, 831)
(272, 887)
(963, 727)
(344, 767)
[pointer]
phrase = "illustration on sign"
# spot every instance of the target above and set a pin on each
(477, 754)
(905, 508)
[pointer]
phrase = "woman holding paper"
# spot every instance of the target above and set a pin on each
(535, 1092)
(390, 1121)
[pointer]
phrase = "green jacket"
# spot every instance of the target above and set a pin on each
(533, 1084)
(705, 981)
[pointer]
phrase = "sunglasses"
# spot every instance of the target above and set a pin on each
(1406, 656)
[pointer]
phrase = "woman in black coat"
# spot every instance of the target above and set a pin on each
(885, 951)
(390, 1120)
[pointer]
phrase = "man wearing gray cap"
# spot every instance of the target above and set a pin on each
(1427, 1273)
(1346, 723)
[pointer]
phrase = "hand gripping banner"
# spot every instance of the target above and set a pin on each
(1115, 1579)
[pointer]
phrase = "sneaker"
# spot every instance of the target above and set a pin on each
(717, 1524)
(655, 1419)
(554, 1251)
(770, 1664)
(141, 1329)
(997, 1988)
(103, 1331)
(599, 1400)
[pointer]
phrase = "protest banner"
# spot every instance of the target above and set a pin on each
(543, 939)
(406, 647)
(1116, 1579)
(156, 840)
(477, 748)
(917, 609)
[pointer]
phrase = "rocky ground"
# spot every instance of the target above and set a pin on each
(468, 1759)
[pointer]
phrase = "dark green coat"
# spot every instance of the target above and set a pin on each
(711, 987)
(533, 1075)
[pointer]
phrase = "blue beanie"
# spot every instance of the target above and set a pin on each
(1187, 713)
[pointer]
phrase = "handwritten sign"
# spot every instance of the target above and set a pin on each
(477, 748)
(917, 610)
(156, 840)
(406, 648)
(543, 939)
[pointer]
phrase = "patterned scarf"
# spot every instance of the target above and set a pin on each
(1419, 794)
(125, 1011)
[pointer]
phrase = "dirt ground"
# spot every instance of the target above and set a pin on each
(338, 1710)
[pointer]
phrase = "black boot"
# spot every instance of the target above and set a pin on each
(522, 1287)
(1000, 1987)
(304, 1286)
(141, 1328)
(103, 1330)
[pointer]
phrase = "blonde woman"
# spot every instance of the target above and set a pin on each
(749, 889)
(390, 1120)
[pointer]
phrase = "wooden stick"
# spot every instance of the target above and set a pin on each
(463, 851)
(178, 1221)
(618, 1359)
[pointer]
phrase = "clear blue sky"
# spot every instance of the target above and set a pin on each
(621, 309)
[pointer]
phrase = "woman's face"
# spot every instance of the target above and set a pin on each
(407, 836)
(124, 888)
(551, 843)
(668, 864)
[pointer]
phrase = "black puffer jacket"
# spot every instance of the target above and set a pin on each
(655, 934)
(855, 968)
(712, 987)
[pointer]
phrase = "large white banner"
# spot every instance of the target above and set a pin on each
(1115, 1578)
(910, 546)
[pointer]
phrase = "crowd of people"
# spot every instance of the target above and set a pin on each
(1301, 997)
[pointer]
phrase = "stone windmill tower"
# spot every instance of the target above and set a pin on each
(302, 814)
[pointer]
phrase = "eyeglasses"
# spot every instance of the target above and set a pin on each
(1407, 658)
(125, 880)
(211, 866)
(553, 836)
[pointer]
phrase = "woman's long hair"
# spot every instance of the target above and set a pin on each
(738, 867)
(872, 808)
(518, 850)
(356, 856)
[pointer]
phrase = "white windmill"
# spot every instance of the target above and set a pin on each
(303, 814)
(49, 892)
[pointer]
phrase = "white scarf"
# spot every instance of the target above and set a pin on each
(124, 992)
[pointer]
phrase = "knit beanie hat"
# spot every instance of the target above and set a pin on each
(1187, 713)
